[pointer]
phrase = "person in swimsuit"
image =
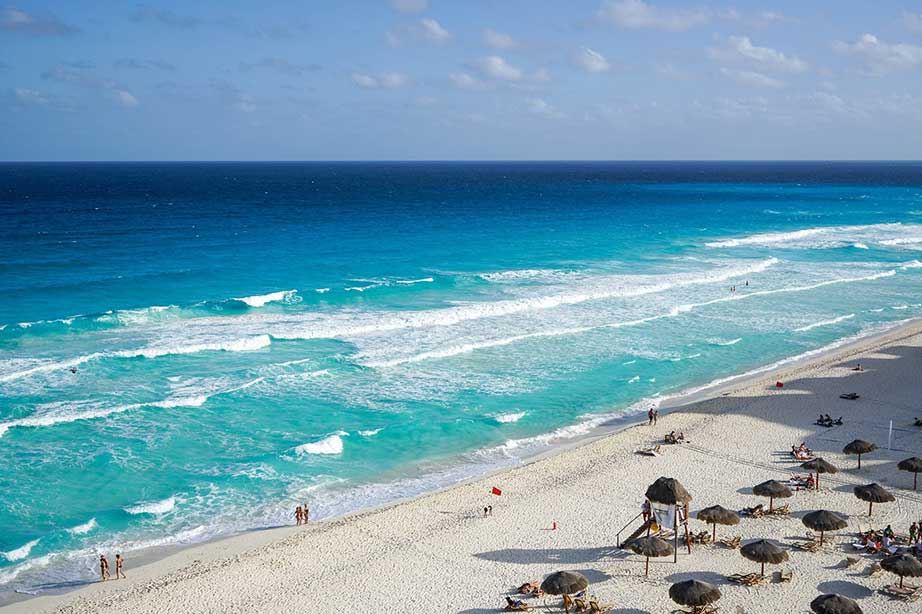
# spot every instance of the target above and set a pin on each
(119, 572)
(103, 568)
(299, 515)
(307, 513)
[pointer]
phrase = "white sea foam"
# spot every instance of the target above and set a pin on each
(65, 412)
(260, 300)
(830, 236)
(21, 552)
(321, 290)
(82, 529)
(634, 379)
(912, 264)
(153, 507)
(607, 288)
(722, 342)
(674, 312)
(825, 323)
(630, 362)
(510, 417)
(409, 282)
(153, 351)
(369, 433)
(900, 307)
(332, 444)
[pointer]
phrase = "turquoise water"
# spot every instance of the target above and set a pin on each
(244, 337)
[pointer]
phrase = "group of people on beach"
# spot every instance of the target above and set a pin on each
(302, 514)
(652, 415)
(104, 568)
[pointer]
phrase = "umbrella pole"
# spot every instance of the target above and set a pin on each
(816, 485)
(714, 537)
(870, 507)
(821, 537)
(915, 480)
(763, 570)
(771, 504)
(675, 536)
(859, 461)
(646, 571)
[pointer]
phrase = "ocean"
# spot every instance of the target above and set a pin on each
(190, 350)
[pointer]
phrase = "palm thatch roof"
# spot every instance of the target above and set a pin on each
(668, 491)
(564, 583)
(694, 593)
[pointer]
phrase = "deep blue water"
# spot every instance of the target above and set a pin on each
(246, 336)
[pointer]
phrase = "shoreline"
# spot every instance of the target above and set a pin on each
(160, 562)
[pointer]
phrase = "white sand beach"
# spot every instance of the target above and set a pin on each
(437, 553)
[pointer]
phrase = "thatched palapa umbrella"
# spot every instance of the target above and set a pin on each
(651, 546)
(859, 447)
(764, 551)
(716, 515)
(694, 593)
(668, 491)
(819, 466)
(873, 493)
(564, 583)
(772, 489)
(834, 604)
(914, 466)
(903, 565)
(822, 521)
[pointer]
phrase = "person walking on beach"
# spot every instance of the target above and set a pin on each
(650, 417)
(489, 510)
(119, 572)
(307, 513)
(655, 415)
(299, 515)
(103, 568)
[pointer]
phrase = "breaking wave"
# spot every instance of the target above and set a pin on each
(153, 507)
(333, 444)
(824, 323)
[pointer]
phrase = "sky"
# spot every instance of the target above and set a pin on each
(468, 80)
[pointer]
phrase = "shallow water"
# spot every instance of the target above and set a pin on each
(249, 336)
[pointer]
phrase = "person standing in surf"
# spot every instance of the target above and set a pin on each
(103, 568)
(299, 515)
(119, 572)
(306, 513)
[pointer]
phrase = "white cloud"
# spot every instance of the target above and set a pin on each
(752, 78)
(499, 40)
(880, 57)
(27, 97)
(637, 14)
(387, 80)
(913, 21)
(466, 81)
(495, 67)
(410, 6)
(741, 49)
(433, 31)
(13, 19)
(126, 98)
(539, 106)
(591, 61)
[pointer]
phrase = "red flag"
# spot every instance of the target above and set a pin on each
(496, 491)
(779, 385)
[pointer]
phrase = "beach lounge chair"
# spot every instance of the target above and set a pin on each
(904, 593)
(850, 396)
(753, 512)
(531, 589)
(516, 605)
(730, 542)
(581, 604)
(749, 579)
(595, 608)
(781, 510)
